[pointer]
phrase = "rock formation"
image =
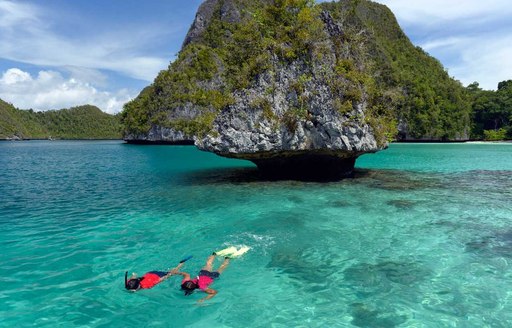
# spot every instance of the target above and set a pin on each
(298, 88)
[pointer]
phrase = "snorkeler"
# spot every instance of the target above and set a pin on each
(150, 279)
(204, 279)
(206, 276)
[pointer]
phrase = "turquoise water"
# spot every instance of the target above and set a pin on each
(422, 237)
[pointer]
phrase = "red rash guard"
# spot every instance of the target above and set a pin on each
(149, 280)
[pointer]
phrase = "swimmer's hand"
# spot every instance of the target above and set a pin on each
(211, 293)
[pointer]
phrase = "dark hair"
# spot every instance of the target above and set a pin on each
(188, 287)
(133, 284)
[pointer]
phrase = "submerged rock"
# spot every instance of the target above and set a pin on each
(498, 245)
(365, 316)
(375, 275)
(402, 204)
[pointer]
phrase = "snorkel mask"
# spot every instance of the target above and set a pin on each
(189, 287)
(132, 284)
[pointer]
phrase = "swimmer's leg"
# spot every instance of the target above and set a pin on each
(209, 263)
(224, 265)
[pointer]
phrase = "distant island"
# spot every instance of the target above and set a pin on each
(82, 122)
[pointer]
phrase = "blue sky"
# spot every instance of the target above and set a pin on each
(62, 53)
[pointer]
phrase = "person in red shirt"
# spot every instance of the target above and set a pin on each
(204, 279)
(150, 279)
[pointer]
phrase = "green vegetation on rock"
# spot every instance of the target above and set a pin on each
(492, 112)
(83, 122)
(431, 103)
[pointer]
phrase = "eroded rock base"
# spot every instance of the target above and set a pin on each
(306, 167)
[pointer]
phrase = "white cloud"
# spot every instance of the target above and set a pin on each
(75, 67)
(27, 35)
(90, 75)
(450, 42)
(14, 76)
(50, 90)
(13, 14)
(427, 12)
(484, 60)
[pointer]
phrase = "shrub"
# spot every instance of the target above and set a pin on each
(495, 135)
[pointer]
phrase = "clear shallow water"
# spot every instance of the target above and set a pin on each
(422, 237)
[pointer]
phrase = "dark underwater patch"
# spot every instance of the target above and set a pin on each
(478, 245)
(296, 199)
(219, 176)
(483, 182)
(499, 245)
(339, 203)
(310, 273)
(404, 273)
(391, 180)
(295, 265)
(364, 316)
(402, 204)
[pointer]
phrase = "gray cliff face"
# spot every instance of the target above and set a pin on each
(243, 131)
(160, 135)
(166, 135)
(228, 12)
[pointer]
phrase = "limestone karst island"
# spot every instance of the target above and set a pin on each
(298, 88)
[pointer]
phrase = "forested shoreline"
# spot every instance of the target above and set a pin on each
(82, 122)
(491, 112)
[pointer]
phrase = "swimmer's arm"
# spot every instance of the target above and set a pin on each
(211, 293)
(185, 275)
(175, 270)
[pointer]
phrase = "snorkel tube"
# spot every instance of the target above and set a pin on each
(186, 259)
(126, 280)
